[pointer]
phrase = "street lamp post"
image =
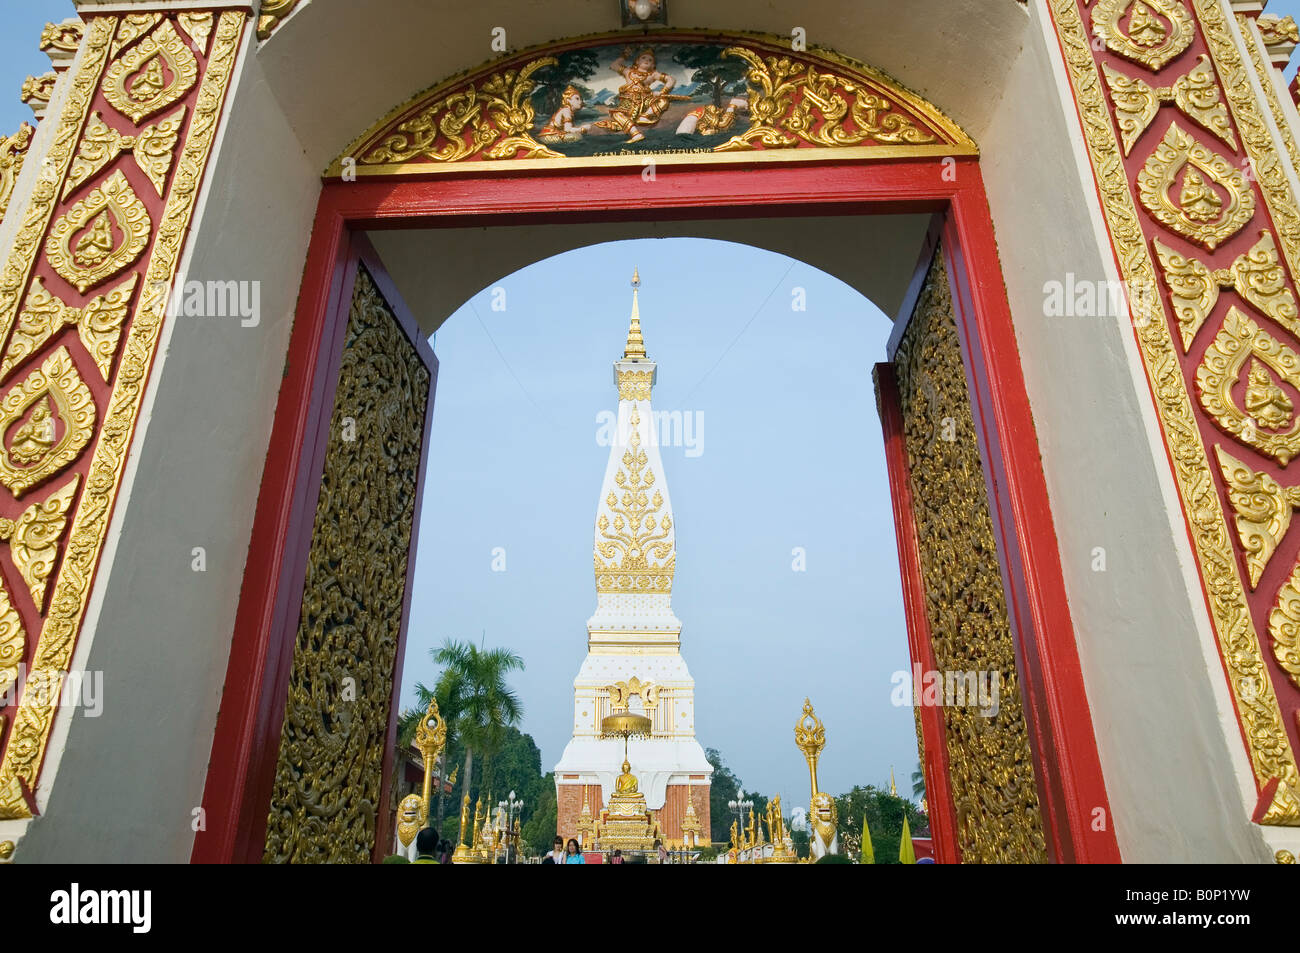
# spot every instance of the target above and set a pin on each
(511, 809)
(740, 807)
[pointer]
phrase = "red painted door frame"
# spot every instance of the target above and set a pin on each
(246, 746)
(1065, 751)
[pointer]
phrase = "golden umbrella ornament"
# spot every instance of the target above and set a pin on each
(625, 725)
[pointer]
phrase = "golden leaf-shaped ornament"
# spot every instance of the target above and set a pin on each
(34, 538)
(99, 324)
(45, 421)
(1256, 275)
(1284, 627)
(1149, 32)
(1268, 423)
(100, 234)
(1199, 213)
(1263, 511)
(152, 75)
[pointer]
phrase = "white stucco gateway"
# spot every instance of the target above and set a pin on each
(1154, 616)
(634, 659)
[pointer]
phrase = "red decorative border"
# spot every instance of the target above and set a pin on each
(1066, 759)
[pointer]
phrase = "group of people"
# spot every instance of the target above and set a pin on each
(430, 849)
(570, 853)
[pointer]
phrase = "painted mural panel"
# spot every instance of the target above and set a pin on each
(651, 98)
(672, 94)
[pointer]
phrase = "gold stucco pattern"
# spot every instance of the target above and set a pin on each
(991, 769)
(1240, 647)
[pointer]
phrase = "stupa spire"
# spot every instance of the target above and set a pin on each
(635, 349)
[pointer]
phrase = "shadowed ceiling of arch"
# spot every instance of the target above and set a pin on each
(336, 66)
(437, 270)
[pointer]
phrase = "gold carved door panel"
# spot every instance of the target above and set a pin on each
(327, 804)
(990, 767)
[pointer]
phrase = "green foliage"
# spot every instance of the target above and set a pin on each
(884, 814)
(723, 789)
(539, 830)
(394, 859)
(711, 68)
(918, 783)
(551, 80)
(450, 829)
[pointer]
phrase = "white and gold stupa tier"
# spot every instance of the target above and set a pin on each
(633, 659)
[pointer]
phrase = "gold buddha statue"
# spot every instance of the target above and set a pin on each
(626, 822)
(627, 799)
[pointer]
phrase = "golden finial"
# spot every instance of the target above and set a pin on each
(635, 349)
(810, 737)
(893, 789)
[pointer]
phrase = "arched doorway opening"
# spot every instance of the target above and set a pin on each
(924, 201)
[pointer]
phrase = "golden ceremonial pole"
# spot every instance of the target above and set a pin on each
(430, 738)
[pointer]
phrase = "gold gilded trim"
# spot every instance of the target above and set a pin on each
(34, 538)
(635, 385)
(1284, 627)
(99, 324)
(1256, 275)
(61, 423)
(994, 789)
(1263, 508)
(40, 208)
(1198, 214)
(13, 150)
(134, 26)
(1264, 158)
(1265, 74)
(642, 534)
(1196, 94)
(1239, 645)
(819, 116)
(152, 150)
(13, 644)
(199, 28)
(1147, 40)
(30, 732)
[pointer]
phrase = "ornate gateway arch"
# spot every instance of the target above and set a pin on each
(171, 153)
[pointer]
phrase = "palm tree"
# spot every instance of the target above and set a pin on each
(474, 680)
(918, 783)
